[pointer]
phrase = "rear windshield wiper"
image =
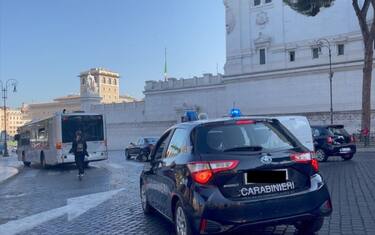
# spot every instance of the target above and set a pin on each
(244, 148)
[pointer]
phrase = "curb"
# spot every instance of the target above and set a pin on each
(7, 173)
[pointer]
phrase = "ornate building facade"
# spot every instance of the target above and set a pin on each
(15, 118)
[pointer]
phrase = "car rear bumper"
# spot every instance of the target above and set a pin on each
(223, 215)
(337, 150)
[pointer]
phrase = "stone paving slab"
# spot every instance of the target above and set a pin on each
(351, 184)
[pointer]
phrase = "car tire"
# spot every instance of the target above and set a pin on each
(143, 156)
(146, 207)
(181, 221)
(347, 157)
(321, 156)
(127, 154)
(310, 226)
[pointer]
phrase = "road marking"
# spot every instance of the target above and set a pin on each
(13, 195)
(74, 208)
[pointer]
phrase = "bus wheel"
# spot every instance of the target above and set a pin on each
(43, 160)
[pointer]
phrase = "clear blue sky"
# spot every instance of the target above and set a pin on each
(45, 44)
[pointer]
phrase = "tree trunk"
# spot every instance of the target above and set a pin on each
(366, 84)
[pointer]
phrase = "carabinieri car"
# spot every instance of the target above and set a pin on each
(229, 174)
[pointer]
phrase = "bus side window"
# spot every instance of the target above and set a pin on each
(42, 134)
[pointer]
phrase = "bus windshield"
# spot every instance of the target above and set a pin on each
(90, 125)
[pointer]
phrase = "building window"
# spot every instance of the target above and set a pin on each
(340, 49)
(315, 52)
(268, 1)
(83, 81)
(115, 81)
(262, 56)
(257, 2)
(292, 56)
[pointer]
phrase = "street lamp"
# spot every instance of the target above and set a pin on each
(4, 89)
(323, 42)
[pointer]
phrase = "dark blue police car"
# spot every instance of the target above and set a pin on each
(225, 175)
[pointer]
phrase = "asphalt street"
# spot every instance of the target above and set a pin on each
(53, 201)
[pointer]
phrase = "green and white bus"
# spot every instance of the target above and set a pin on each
(48, 141)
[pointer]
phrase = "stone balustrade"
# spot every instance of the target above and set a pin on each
(173, 83)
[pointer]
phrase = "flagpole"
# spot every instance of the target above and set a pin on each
(165, 66)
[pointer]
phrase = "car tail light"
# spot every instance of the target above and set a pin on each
(203, 225)
(315, 164)
(329, 140)
(305, 158)
(58, 145)
(352, 139)
(202, 172)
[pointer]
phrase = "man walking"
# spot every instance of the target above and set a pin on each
(79, 149)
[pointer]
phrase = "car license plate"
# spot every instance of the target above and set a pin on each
(345, 150)
(266, 176)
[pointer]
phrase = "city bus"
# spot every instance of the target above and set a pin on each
(48, 141)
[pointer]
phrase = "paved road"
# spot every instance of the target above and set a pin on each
(35, 190)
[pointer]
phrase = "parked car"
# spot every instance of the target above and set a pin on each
(141, 149)
(333, 140)
(224, 175)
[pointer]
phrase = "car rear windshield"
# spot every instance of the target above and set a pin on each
(338, 131)
(151, 140)
(252, 137)
(91, 127)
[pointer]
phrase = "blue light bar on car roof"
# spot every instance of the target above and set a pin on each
(235, 112)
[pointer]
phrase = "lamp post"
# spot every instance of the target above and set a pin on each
(323, 42)
(4, 89)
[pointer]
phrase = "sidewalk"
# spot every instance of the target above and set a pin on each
(8, 167)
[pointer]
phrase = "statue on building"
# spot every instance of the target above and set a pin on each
(89, 85)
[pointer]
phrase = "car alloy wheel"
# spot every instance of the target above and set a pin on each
(181, 224)
(321, 156)
(147, 208)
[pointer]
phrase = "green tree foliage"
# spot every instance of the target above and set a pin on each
(308, 7)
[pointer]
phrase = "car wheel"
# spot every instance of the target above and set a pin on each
(147, 208)
(347, 157)
(181, 221)
(321, 156)
(127, 154)
(310, 226)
